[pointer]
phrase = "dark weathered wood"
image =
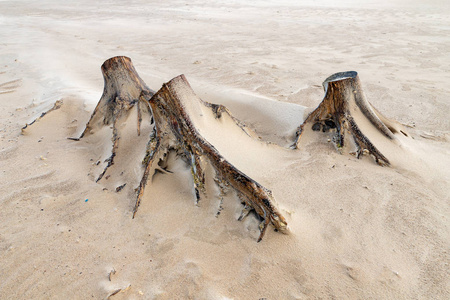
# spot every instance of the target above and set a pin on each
(342, 93)
(174, 130)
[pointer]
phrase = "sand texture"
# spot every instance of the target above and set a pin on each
(356, 230)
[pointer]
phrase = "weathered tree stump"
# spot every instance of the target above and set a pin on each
(174, 130)
(122, 91)
(55, 106)
(344, 99)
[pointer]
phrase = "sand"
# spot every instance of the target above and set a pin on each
(357, 230)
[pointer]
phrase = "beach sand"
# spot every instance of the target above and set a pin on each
(357, 230)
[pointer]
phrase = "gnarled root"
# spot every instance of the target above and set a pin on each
(175, 130)
(344, 100)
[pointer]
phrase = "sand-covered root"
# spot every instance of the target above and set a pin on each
(219, 109)
(170, 130)
(346, 113)
(55, 106)
(175, 131)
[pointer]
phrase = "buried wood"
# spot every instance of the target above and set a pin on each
(343, 101)
(55, 106)
(174, 131)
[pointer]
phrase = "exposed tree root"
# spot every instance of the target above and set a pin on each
(56, 106)
(219, 109)
(343, 99)
(174, 130)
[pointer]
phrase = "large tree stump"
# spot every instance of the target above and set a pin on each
(174, 130)
(343, 100)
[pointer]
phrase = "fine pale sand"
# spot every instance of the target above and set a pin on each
(357, 230)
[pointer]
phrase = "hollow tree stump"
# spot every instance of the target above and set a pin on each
(174, 130)
(344, 99)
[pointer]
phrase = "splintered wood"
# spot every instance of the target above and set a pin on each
(174, 130)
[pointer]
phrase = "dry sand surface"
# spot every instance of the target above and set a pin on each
(357, 230)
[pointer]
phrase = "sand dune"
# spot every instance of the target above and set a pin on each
(357, 230)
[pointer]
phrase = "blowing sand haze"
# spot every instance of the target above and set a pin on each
(357, 230)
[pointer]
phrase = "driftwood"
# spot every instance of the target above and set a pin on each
(174, 130)
(343, 99)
